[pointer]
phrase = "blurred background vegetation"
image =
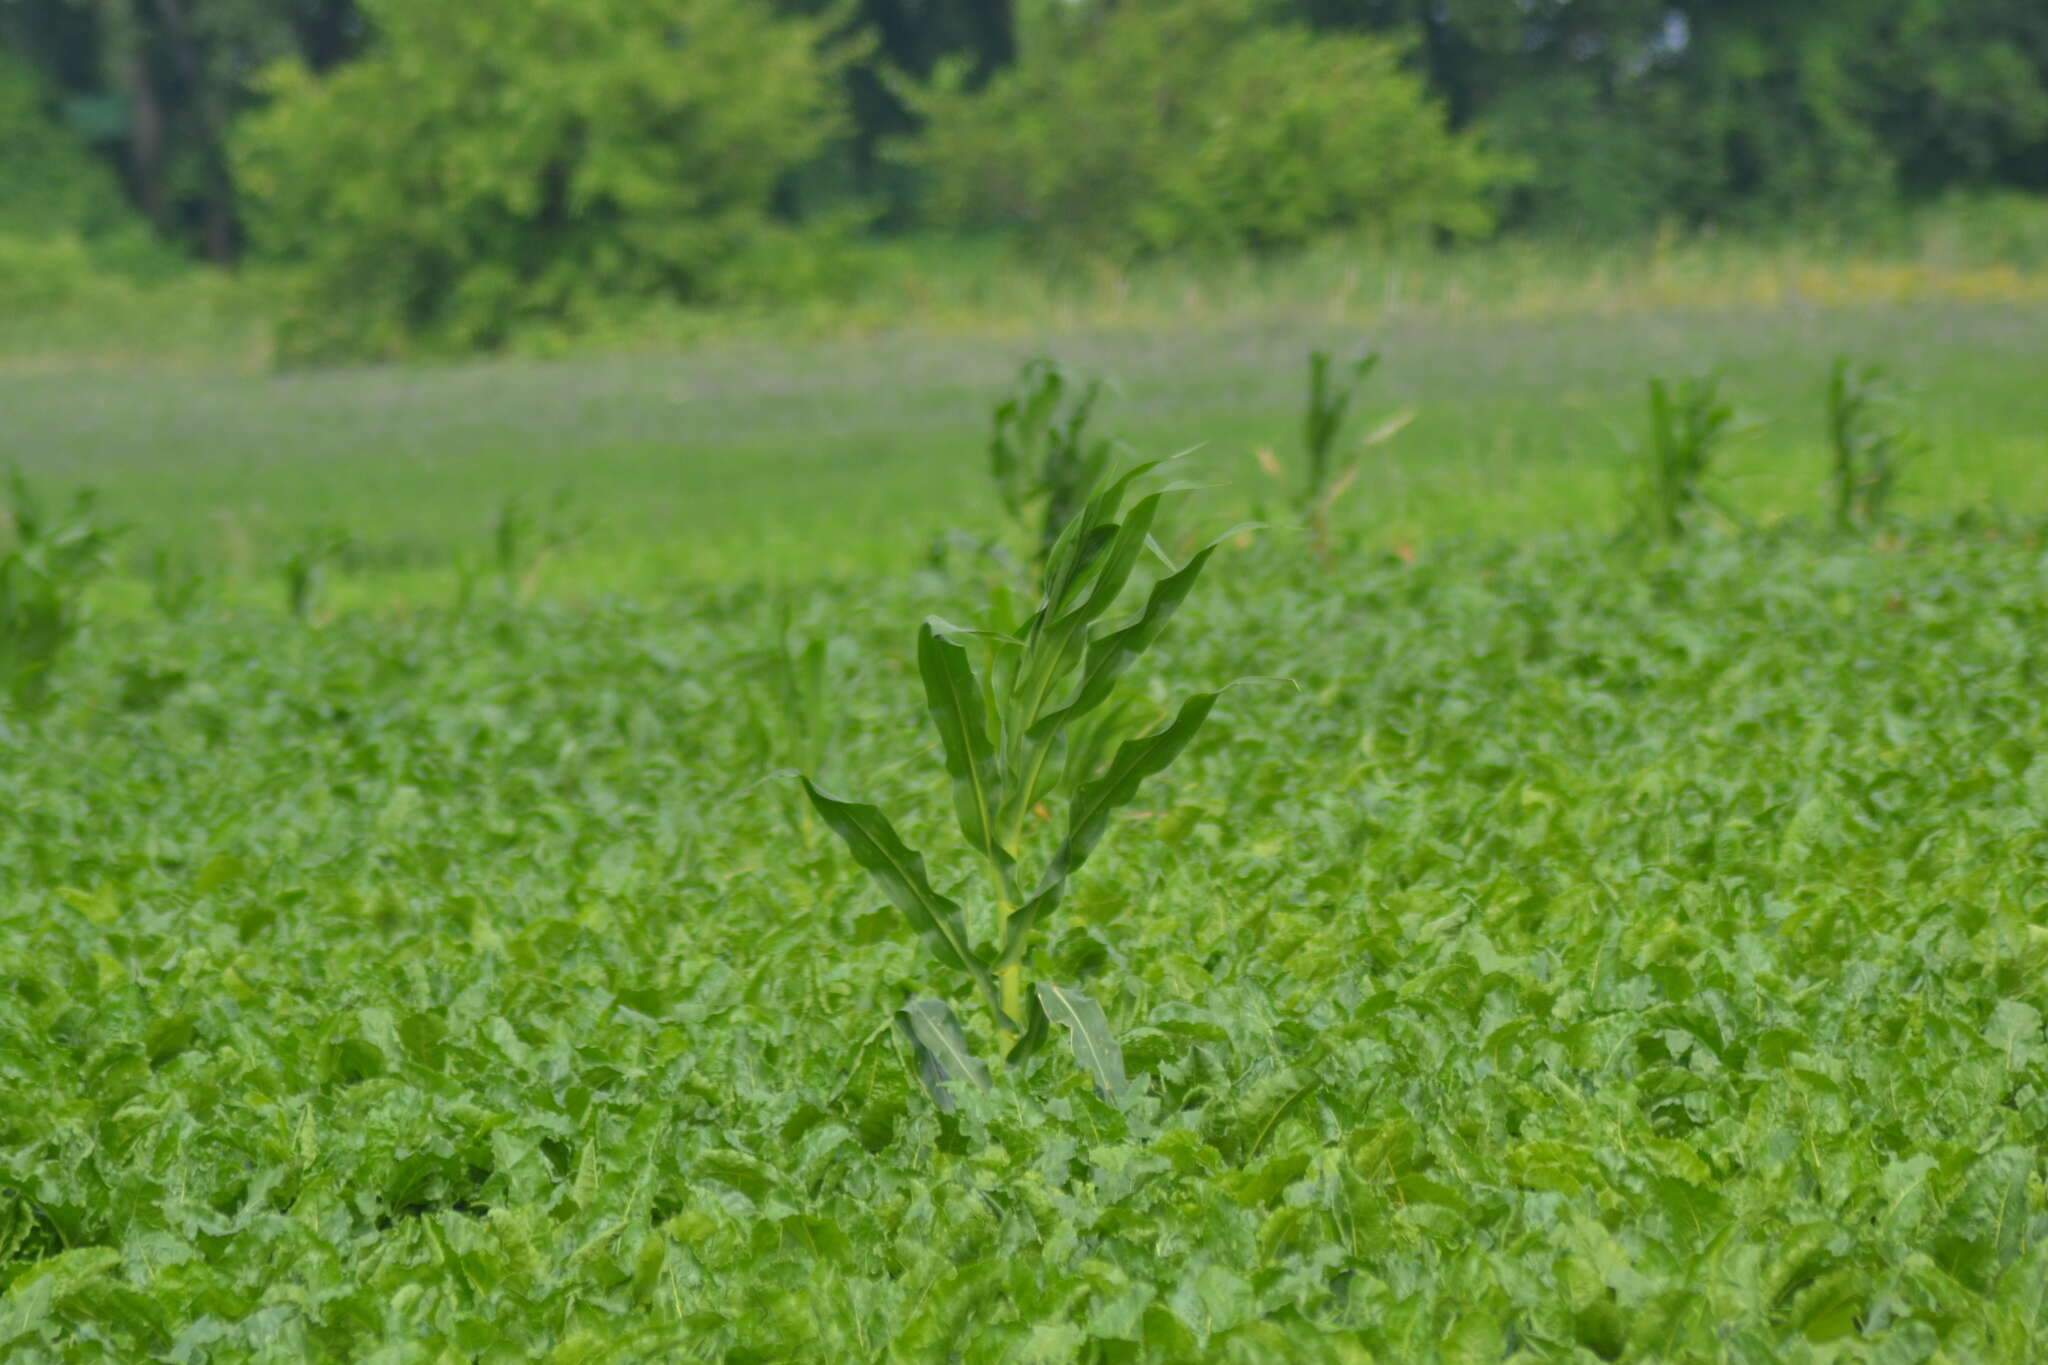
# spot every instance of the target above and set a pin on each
(348, 179)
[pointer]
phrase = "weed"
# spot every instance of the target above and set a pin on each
(789, 713)
(1017, 733)
(1869, 441)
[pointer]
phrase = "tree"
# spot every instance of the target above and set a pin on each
(159, 83)
(1632, 111)
(481, 169)
(55, 186)
(1155, 125)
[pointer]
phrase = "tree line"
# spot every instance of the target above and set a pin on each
(683, 146)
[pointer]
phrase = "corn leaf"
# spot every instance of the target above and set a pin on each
(1110, 655)
(1059, 648)
(955, 701)
(1082, 541)
(940, 1045)
(1088, 818)
(900, 873)
(1037, 1027)
(1095, 1048)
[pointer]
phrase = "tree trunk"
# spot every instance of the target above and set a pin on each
(218, 235)
(145, 138)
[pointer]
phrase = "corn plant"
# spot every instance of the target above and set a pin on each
(1869, 442)
(1329, 402)
(305, 573)
(1327, 474)
(789, 713)
(1688, 425)
(1044, 462)
(1028, 727)
(42, 578)
(175, 583)
(524, 538)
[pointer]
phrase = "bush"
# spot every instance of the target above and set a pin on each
(482, 169)
(1160, 125)
(42, 275)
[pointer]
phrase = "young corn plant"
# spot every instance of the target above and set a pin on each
(1328, 474)
(1869, 440)
(789, 716)
(524, 538)
(1329, 402)
(1688, 425)
(1044, 462)
(305, 575)
(42, 578)
(176, 583)
(1029, 728)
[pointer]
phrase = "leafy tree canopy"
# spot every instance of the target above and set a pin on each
(480, 168)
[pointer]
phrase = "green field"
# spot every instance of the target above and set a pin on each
(1600, 952)
(791, 461)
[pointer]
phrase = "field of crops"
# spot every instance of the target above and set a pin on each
(1595, 949)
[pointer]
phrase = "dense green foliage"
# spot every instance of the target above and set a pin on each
(1080, 126)
(480, 169)
(54, 186)
(46, 561)
(1588, 960)
(1174, 124)
(1635, 112)
(158, 84)
(1627, 953)
(63, 220)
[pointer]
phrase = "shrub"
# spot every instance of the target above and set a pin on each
(40, 275)
(1158, 125)
(486, 168)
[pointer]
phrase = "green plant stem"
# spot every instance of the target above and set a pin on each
(1009, 980)
(1010, 983)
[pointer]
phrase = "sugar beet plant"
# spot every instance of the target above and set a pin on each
(1030, 726)
(1869, 441)
(1041, 455)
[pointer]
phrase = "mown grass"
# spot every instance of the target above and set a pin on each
(798, 461)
